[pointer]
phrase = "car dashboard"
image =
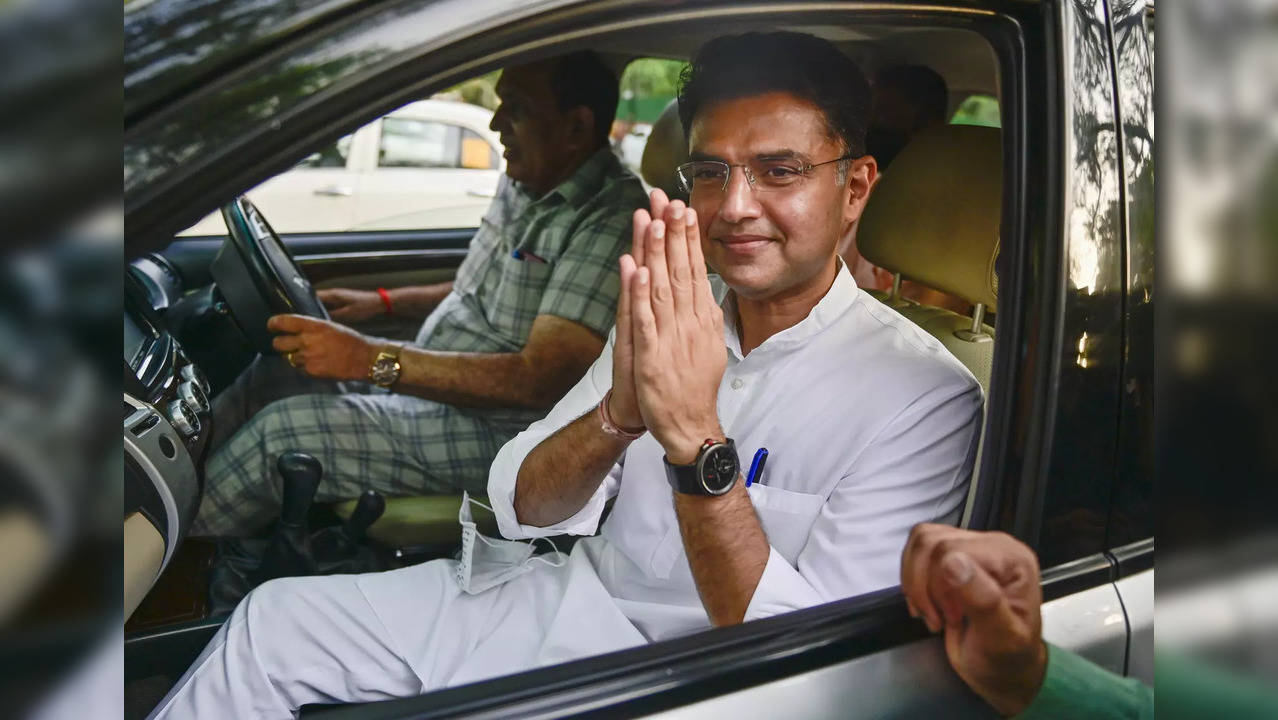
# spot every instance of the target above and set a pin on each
(167, 420)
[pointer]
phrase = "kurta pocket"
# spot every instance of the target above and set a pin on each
(786, 516)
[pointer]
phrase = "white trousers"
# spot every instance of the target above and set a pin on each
(359, 638)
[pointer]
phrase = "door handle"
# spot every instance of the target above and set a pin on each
(481, 194)
(335, 191)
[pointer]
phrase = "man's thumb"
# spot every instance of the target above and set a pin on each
(978, 593)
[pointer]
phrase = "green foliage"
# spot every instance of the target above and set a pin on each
(647, 77)
(647, 86)
(978, 110)
(481, 91)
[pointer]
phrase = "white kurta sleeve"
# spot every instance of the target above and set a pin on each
(916, 470)
(582, 398)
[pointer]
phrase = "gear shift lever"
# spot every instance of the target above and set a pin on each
(338, 549)
(370, 507)
(288, 551)
(301, 473)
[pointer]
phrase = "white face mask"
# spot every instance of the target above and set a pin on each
(488, 562)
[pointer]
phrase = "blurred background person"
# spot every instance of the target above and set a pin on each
(907, 100)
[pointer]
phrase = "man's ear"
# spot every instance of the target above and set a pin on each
(581, 126)
(863, 173)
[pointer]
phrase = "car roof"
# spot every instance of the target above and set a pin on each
(173, 45)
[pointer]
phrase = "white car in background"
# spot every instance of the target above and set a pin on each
(430, 164)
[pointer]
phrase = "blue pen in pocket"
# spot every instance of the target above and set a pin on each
(528, 255)
(756, 467)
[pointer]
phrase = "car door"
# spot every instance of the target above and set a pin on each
(1131, 527)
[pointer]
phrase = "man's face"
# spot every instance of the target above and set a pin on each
(532, 128)
(776, 243)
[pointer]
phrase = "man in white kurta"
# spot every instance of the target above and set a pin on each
(870, 423)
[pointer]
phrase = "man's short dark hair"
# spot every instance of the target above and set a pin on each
(922, 86)
(582, 78)
(805, 66)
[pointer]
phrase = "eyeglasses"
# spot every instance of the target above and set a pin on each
(711, 176)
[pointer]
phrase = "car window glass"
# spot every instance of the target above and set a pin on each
(333, 156)
(419, 143)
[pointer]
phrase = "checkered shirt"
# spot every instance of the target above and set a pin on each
(569, 239)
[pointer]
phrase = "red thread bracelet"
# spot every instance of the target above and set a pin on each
(385, 300)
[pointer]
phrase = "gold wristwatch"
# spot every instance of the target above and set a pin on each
(385, 369)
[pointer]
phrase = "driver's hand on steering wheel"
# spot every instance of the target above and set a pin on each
(346, 305)
(322, 348)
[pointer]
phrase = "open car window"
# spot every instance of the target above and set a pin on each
(432, 164)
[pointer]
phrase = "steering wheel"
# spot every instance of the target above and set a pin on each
(258, 276)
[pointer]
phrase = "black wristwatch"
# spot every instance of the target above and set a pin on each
(713, 473)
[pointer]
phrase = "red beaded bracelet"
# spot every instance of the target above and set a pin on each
(385, 300)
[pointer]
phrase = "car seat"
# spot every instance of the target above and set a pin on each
(934, 219)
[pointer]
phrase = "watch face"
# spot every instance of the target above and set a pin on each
(385, 371)
(719, 469)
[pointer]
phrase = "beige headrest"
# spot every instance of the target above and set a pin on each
(934, 216)
(666, 150)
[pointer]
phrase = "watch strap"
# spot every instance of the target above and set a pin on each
(687, 478)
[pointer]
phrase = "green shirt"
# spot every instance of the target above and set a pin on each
(1074, 687)
(570, 240)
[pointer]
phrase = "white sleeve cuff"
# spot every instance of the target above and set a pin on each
(781, 589)
(585, 395)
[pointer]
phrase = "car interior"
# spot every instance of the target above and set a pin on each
(187, 296)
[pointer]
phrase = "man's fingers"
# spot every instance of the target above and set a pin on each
(286, 343)
(628, 269)
(658, 279)
(978, 595)
(643, 321)
(917, 568)
(638, 228)
(657, 202)
(679, 272)
(703, 294)
(288, 323)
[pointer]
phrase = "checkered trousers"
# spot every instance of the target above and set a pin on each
(396, 444)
